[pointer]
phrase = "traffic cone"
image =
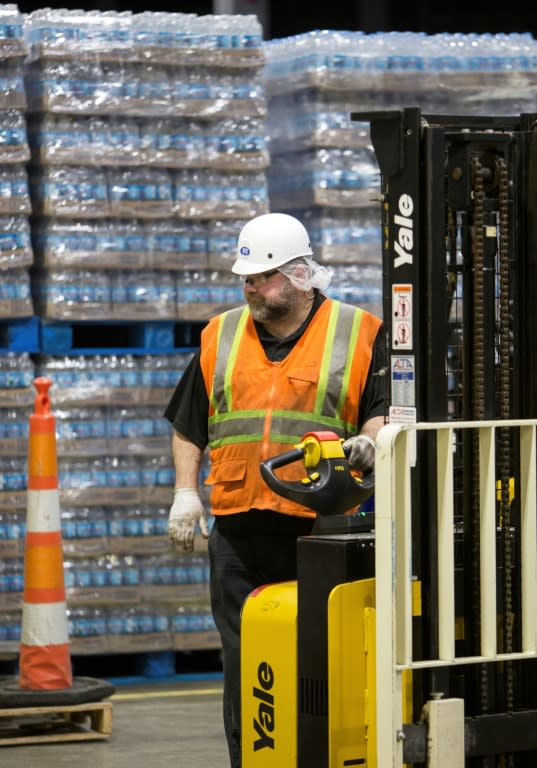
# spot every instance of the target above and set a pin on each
(45, 661)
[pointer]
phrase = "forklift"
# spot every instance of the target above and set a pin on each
(410, 634)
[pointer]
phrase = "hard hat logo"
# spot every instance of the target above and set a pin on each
(245, 251)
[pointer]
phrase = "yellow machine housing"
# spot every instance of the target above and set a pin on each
(268, 676)
(307, 660)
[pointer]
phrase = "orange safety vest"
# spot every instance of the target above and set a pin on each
(259, 409)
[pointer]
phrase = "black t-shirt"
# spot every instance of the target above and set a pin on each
(188, 409)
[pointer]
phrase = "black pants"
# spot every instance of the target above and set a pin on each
(246, 551)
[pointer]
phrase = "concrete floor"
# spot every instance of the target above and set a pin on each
(175, 723)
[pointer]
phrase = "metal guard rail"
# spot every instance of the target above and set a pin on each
(393, 568)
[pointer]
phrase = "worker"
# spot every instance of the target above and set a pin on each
(288, 362)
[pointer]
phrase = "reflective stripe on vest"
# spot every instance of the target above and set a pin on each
(230, 328)
(227, 425)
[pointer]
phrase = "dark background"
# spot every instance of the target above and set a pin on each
(288, 17)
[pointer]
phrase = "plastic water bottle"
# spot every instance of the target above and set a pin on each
(17, 370)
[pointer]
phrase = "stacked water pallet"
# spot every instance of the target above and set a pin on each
(128, 590)
(148, 154)
(17, 373)
(16, 254)
(148, 151)
(18, 327)
(15, 245)
(322, 163)
(323, 168)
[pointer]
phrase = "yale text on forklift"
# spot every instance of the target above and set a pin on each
(264, 723)
(404, 242)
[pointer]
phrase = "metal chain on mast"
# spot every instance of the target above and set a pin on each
(504, 389)
(478, 403)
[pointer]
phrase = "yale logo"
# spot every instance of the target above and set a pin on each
(404, 237)
(264, 722)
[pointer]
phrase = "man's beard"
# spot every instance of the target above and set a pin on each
(274, 308)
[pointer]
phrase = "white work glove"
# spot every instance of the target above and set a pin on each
(186, 511)
(360, 452)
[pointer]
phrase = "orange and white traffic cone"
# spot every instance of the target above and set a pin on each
(45, 661)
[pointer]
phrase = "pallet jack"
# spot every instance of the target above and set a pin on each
(298, 657)
(458, 210)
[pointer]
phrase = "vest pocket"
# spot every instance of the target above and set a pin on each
(228, 478)
(227, 471)
(308, 374)
(303, 381)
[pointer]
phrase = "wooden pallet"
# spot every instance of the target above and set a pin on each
(39, 725)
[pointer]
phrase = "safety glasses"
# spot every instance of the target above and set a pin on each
(262, 279)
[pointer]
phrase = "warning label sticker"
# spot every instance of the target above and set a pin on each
(402, 312)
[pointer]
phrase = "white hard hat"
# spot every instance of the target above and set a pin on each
(268, 241)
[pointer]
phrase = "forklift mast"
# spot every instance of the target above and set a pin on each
(459, 243)
(459, 255)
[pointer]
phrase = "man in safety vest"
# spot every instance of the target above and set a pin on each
(288, 362)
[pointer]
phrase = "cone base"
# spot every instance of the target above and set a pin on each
(83, 690)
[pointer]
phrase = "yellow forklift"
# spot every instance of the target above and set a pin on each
(410, 635)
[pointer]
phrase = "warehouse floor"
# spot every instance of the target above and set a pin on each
(161, 724)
